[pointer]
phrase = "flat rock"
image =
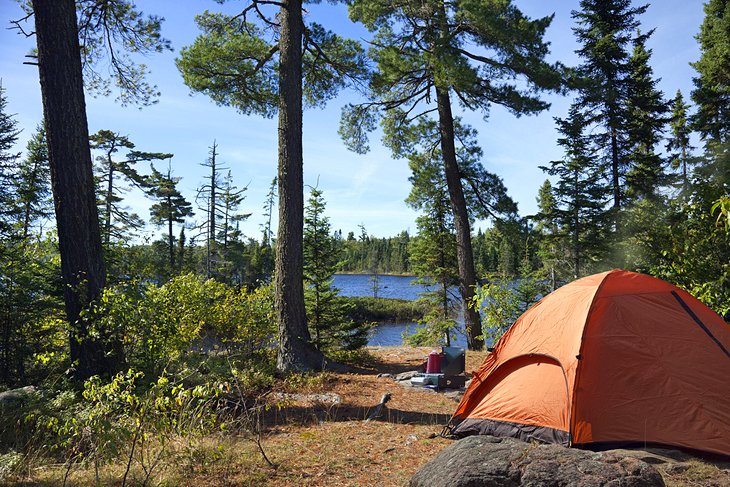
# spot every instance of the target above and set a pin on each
(15, 397)
(506, 462)
(407, 375)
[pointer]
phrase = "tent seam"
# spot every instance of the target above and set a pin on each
(579, 367)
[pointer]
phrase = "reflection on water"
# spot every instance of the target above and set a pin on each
(398, 287)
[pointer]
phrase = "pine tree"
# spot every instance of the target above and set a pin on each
(111, 176)
(604, 30)
(33, 189)
(266, 252)
(549, 248)
(326, 314)
(697, 248)
(170, 208)
(580, 194)
(109, 30)
(229, 235)
(207, 204)
(236, 64)
(267, 231)
(430, 51)
(646, 110)
(712, 93)
(219, 200)
(433, 251)
(712, 86)
(678, 143)
(8, 136)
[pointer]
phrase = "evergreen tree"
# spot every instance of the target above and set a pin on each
(33, 189)
(678, 142)
(207, 204)
(549, 248)
(118, 221)
(267, 231)
(712, 85)
(265, 255)
(646, 110)
(229, 235)
(693, 248)
(235, 64)
(219, 200)
(433, 251)
(712, 94)
(8, 136)
(170, 208)
(326, 313)
(604, 30)
(580, 194)
(427, 53)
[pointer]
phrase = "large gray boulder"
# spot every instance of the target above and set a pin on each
(506, 462)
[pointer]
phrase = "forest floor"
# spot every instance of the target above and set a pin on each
(324, 442)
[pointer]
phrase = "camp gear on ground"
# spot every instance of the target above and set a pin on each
(433, 365)
(453, 362)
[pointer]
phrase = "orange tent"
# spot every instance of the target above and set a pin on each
(616, 357)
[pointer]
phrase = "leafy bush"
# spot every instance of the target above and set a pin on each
(160, 324)
(120, 419)
(246, 318)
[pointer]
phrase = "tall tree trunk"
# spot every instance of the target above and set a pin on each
(211, 244)
(295, 349)
(170, 237)
(464, 254)
(109, 196)
(612, 111)
(684, 167)
(79, 239)
(615, 174)
(576, 225)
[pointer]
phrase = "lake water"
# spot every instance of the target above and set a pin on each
(399, 287)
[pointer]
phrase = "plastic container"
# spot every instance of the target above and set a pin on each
(433, 365)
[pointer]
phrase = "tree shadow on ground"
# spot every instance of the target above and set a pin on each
(319, 413)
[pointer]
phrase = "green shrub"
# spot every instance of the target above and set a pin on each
(160, 324)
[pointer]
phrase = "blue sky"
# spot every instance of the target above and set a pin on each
(359, 189)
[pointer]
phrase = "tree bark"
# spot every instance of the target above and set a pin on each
(576, 226)
(296, 352)
(79, 239)
(109, 196)
(464, 254)
(615, 174)
(170, 237)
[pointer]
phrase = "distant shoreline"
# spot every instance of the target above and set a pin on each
(393, 274)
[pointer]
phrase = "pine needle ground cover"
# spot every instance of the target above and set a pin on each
(313, 440)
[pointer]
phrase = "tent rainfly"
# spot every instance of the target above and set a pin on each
(612, 359)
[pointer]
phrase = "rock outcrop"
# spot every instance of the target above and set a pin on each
(17, 397)
(506, 462)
